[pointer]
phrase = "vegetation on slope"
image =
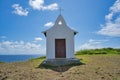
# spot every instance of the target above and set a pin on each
(99, 51)
(1, 62)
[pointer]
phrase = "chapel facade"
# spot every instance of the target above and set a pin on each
(59, 40)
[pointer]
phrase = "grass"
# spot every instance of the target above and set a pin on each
(1, 62)
(98, 51)
(83, 60)
(43, 57)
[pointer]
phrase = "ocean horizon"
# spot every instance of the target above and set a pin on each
(18, 58)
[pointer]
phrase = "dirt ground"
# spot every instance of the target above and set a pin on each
(95, 67)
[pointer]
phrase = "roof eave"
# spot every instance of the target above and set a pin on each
(75, 32)
(44, 32)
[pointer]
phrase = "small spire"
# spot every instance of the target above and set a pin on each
(60, 9)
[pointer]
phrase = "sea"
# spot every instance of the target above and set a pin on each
(17, 58)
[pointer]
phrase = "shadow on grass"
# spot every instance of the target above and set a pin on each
(62, 68)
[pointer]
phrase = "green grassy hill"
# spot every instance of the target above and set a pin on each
(99, 51)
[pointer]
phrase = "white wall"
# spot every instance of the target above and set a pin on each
(59, 32)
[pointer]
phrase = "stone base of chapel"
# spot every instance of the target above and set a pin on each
(61, 61)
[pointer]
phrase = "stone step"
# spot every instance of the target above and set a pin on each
(60, 62)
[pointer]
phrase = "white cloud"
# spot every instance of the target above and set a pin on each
(53, 6)
(109, 16)
(39, 5)
(93, 44)
(19, 10)
(36, 5)
(3, 37)
(116, 6)
(38, 39)
(112, 25)
(111, 29)
(20, 47)
(49, 24)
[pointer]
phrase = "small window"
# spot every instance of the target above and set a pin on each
(60, 22)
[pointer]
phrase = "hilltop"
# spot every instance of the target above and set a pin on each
(94, 67)
(99, 51)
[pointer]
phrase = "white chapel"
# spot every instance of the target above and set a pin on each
(60, 40)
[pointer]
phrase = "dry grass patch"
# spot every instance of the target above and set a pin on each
(97, 67)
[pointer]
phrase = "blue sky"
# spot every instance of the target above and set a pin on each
(22, 21)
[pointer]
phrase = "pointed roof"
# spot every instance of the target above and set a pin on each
(60, 22)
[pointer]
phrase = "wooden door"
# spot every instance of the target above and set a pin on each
(60, 48)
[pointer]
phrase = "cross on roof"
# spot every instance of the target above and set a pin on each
(60, 9)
